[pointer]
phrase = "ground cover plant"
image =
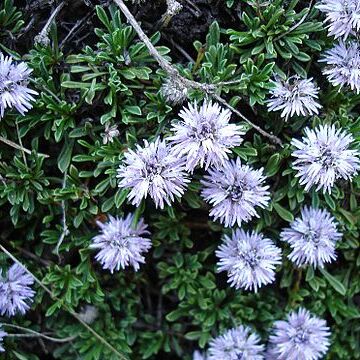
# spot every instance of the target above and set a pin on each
(179, 179)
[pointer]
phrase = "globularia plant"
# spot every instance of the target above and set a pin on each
(179, 180)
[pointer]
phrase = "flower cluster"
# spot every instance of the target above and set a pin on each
(324, 156)
(204, 136)
(312, 237)
(249, 259)
(15, 291)
(234, 191)
(343, 65)
(153, 170)
(294, 96)
(13, 86)
(343, 16)
(301, 336)
(121, 243)
(237, 343)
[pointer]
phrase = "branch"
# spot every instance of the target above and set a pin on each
(18, 147)
(208, 89)
(33, 333)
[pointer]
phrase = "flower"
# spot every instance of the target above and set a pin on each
(88, 314)
(154, 170)
(237, 343)
(13, 89)
(173, 91)
(199, 356)
(301, 336)
(249, 259)
(343, 16)
(15, 291)
(110, 133)
(343, 65)
(294, 96)
(121, 243)
(324, 156)
(312, 237)
(204, 135)
(2, 335)
(234, 191)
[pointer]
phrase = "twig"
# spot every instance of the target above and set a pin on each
(65, 307)
(42, 37)
(297, 24)
(65, 229)
(18, 147)
(172, 72)
(33, 333)
(20, 142)
(273, 138)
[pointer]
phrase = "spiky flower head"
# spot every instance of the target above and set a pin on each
(324, 156)
(301, 336)
(294, 96)
(153, 170)
(249, 259)
(199, 356)
(237, 343)
(174, 91)
(312, 237)
(343, 16)
(234, 191)
(204, 135)
(343, 65)
(13, 86)
(15, 291)
(2, 335)
(121, 243)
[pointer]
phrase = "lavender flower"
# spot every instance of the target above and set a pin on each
(312, 237)
(15, 291)
(343, 65)
(154, 170)
(324, 156)
(121, 243)
(234, 191)
(343, 16)
(237, 343)
(2, 335)
(294, 96)
(13, 89)
(110, 133)
(249, 259)
(199, 356)
(302, 336)
(204, 135)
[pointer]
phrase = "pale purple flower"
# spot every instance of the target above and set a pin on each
(301, 337)
(204, 135)
(234, 191)
(13, 86)
(199, 356)
(294, 96)
(249, 259)
(15, 291)
(121, 243)
(236, 344)
(312, 237)
(2, 335)
(343, 65)
(110, 133)
(153, 170)
(324, 156)
(343, 16)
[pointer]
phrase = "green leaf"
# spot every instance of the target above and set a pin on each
(65, 156)
(334, 282)
(283, 213)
